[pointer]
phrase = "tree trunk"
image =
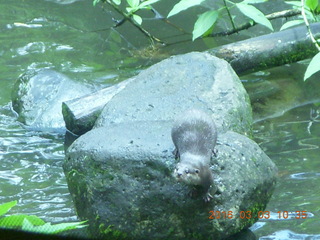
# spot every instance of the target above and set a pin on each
(269, 50)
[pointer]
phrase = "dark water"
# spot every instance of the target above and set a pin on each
(293, 141)
(70, 38)
(287, 128)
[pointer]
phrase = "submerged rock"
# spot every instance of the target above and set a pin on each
(80, 114)
(120, 173)
(37, 97)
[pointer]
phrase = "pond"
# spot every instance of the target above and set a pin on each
(74, 38)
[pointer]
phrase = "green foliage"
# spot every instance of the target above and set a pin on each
(207, 20)
(291, 24)
(310, 14)
(31, 222)
(135, 5)
(137, 18)
(204, 23)
(117, 2)
(313, 67)
(253, 1)
(132, 7)
(4, 208)
(183, 5)
(47, 228)
(312, 4)
(311, 8)
(16, 221)
(255, 14)
(95, 2)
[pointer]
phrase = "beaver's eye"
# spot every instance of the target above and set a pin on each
(197, 171)
(187, 171)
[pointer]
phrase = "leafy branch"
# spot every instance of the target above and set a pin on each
(207, 20)
(130, 15)
(307, 10)
(314, 65)
(272, 16)
(31, 222)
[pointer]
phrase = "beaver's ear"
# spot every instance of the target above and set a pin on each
(196, 171)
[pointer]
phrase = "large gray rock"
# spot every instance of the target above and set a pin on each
(37, 97)
(120, 173)
(194, 80)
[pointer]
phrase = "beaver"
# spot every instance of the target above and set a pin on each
(194, 136)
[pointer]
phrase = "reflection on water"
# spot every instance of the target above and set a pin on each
(286, 234)
(31, 171)
(45, 34)
(294, 145)
(63, 1)
(305, 175)
(59, 35)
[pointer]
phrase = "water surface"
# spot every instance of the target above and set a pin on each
(68, 36)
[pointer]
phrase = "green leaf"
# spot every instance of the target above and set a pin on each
(255, 14)
(133, 3)
(131, 10)
(297, 5)
(291, 24)
(312, 4)
(137, 18)
(183, 5)
(147, 3)
(253, 1)
(204, 23)
(313, 67)
(50, 229)
(15, 221)
(117, 2)
(4, 208)
(95, 2)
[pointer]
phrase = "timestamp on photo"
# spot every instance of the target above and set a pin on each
(259, 215)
